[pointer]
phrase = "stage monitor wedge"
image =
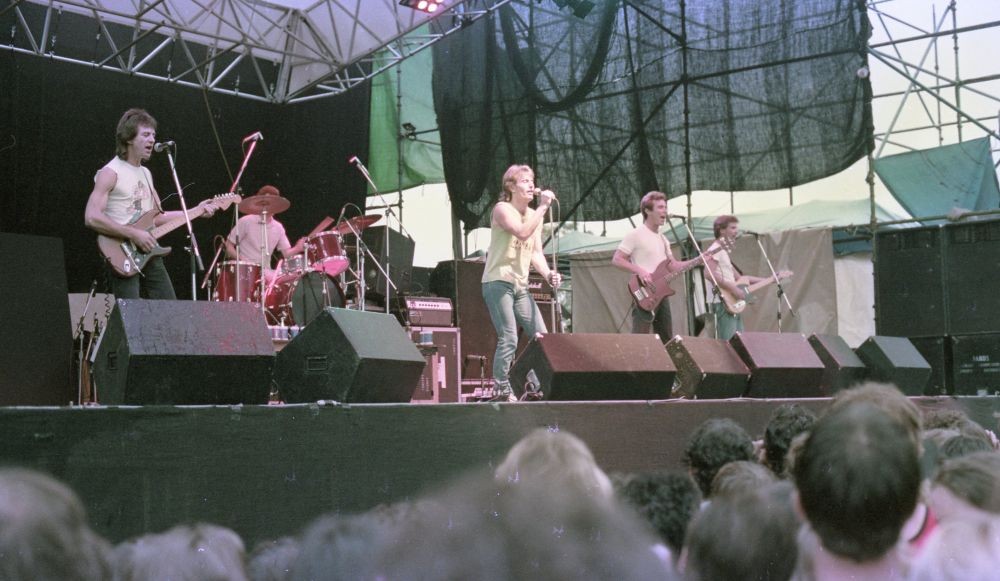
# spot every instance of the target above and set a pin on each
(351, 357)
(594, 366)
(895, 360)
(781, 364)
(707, 368)
(184, 353)
(843, 366)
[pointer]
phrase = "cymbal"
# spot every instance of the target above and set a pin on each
(359, 223)
(260, 204)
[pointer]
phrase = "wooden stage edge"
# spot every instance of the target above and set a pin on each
(267, 471)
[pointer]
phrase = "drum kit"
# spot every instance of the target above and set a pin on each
(303, 284)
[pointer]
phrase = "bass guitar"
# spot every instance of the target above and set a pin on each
(649, 296)
(127, 260)
(737, 305)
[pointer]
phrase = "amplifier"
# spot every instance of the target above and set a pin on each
(539, 289)
(415, 311)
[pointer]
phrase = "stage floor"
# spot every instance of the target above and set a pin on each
(267, 471)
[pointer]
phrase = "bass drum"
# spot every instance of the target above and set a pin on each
(298, 299)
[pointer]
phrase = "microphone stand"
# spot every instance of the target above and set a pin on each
(706, 268)
(196, 264)
(388, 212)
(236, 216)
(777, 281)
(363, 249)
(555, 266)
(82, 355)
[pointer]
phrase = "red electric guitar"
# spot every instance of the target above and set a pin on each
(648, 296)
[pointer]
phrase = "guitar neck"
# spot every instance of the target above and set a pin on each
(701, 259)
(173, 223)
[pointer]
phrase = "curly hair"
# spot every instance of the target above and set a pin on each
(667, 500)
(786, 422)
(715, 443)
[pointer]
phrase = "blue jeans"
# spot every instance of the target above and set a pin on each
(726, 323)
(509, 308)
(154, 280)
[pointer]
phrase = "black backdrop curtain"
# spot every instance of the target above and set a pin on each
(680, 96)
(57, 124)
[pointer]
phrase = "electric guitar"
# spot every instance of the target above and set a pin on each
(127, 260)
(737, 305)
(648, 296)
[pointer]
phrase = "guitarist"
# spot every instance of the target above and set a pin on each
(123, 193)
(726, 324)
(640, 253)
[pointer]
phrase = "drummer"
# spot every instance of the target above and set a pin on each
(253, 239)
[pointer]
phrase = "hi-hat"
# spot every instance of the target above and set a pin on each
(260, 204)
(359, 223)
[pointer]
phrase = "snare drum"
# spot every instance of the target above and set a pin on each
(325, 252)
(226, 275)
(295, 264)
(297, 300)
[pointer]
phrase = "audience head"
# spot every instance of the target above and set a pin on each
(786, 422)
(184, 553)
(558, 458)
(483, 529)
(967, 486)
(858, 479)
(889, 399)
(714, 444)
(962, 445)
(741, 477)
(749, 536)
(273, 560)
(667, 500)
(44, 533)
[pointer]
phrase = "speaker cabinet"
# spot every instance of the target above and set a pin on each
(972, 254)
(397, 259)
(184, 353)
(937, 351)
(351, 357)
(976, 364)
(781, 364)
(895, 360)
(594, 366)
(36, 343)
(707, 368)
(910, 296)
(843, 367)
(440, 382)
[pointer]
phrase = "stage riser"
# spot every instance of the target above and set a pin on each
(267, 471)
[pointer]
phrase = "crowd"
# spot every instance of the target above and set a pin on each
(869, 489)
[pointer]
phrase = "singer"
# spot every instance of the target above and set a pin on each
(123, 195)
(515, 246)
(643, 252)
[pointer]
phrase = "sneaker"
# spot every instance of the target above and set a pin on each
(503, 394)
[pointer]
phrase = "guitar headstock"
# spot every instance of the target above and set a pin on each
(223, 201)
(726, 243)
(782, 275)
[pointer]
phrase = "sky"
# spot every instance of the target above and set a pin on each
(892, 20)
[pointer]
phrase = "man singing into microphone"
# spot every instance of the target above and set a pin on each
(515, 246)
(641, 252)
(123, 192)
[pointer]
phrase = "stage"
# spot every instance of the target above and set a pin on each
(267, 471)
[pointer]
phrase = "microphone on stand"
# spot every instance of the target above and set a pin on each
(158, 147)
(354, 160)
(255, 136)
(678, 216)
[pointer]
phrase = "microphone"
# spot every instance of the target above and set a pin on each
(678, 216)
(255, 136)
(340, 218)
(161, 146)
(751, 232)
(354, 160)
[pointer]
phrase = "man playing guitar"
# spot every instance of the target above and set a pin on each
(123, 193)
(641, 252)
(727, 323)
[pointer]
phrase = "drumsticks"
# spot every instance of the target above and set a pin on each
(323, 225)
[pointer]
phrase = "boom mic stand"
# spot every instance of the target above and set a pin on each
(254, 138)
(196, 264)
(777, 281)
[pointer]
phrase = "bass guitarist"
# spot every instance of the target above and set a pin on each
(727, 323)
(641, 252)
(123, 193)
